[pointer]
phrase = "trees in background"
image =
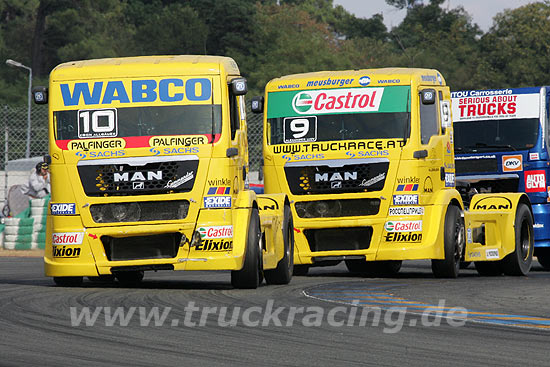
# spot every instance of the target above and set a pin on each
(269, 38)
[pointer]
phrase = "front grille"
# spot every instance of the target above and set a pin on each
(160, 246)
(476, 165)
(337, 208)
(338, 176)
(140, 211)
(337, 239)
(130, 176)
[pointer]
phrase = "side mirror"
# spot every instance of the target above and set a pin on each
(257, 104)
(428, 96)
(238, 86)
(40, 95)
(231, 152)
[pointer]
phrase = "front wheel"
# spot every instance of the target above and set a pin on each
(453, 245)
(282, 274)
(250, 275)
(519, 261)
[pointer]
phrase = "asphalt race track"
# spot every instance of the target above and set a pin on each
(412, 320)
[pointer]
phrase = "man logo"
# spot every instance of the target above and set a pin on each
(302, 102)
(138, 185)
(364, 81)
(138, 176)
(493, 203)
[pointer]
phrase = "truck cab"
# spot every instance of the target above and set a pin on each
(501, 145)
(366, 158)
(149, 164)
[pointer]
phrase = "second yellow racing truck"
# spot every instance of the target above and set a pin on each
(366, 158)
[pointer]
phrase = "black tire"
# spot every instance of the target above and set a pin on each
(357, 266)
(465, 264)
(107, 278)
(543, 257)
(300, 270)
(453, 245)
(519, 261)
(250, 275)
(130, 278)
(282, 274)
(488, 268)
(386, 268)
(68, 281)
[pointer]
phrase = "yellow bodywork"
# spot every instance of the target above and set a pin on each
(424, 166)
(76, 242)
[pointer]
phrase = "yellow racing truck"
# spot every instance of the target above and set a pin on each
(366, 158)
(149, 164)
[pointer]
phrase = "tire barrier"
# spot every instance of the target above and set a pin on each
(27, 231)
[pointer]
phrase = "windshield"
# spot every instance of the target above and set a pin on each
(138, 121)
(353, 126)
(495, 135)
(339, 114)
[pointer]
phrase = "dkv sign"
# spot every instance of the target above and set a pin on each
(511, 163)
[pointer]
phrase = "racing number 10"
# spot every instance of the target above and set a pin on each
(103, 123)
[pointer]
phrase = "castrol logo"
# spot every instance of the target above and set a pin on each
(403, 226)
(67, 238)
(338, 100)
(512, 163)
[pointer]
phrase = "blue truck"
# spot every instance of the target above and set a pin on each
(501, 139)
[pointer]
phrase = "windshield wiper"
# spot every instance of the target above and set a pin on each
(489, 146)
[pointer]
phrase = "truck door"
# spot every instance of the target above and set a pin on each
(438, 172)
(238, 140)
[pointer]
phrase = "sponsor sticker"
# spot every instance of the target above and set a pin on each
(217, 202)
(337, 100)
(535, 181)
(403, 226)
(411, 199)
(63, 208)
(66, 251)
(67, 238)
(534, 156)
(406, 210)
(96, 144)
(219, 190)
(215, 245)
(182, 140)
(364, 81)
(538, 225)
(403, 237)
(512, 163)
(492, 253)
(474, 254)
(449, 179)
(216, 232)
(408, 187)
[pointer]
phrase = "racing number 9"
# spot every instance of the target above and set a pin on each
(300, 129)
